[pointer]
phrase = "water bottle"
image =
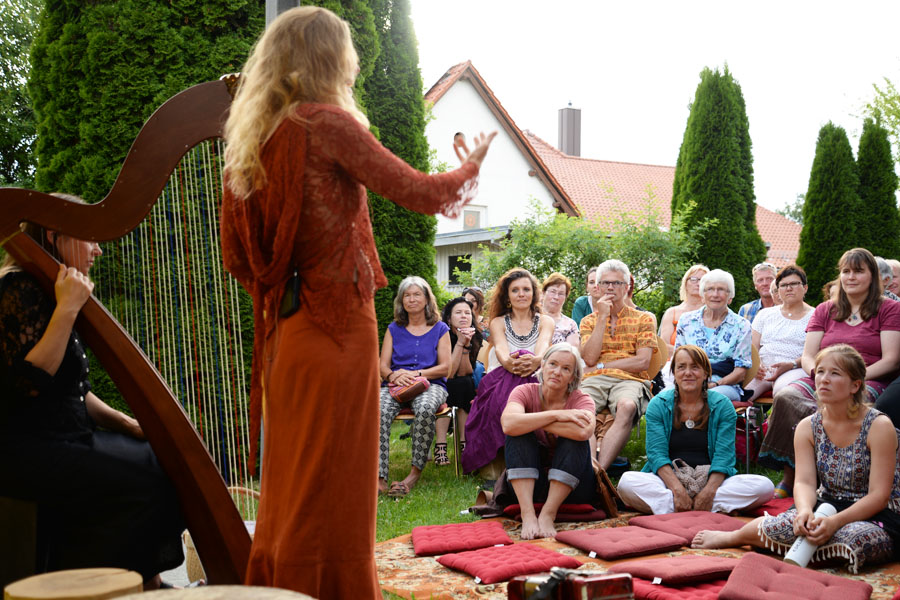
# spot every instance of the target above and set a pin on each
(803, 549)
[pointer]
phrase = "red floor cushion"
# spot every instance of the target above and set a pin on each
(429, 540)
(760, 577)
(566, 512)
(500, 563)
(706, 590)
(687, 524)
(775, 506)
(679, 570)
(613, 543)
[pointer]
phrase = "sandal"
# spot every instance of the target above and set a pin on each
(398, 490)
(441, 458)
(462, 446)
(782, 491)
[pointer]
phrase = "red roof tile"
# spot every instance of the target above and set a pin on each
(601, 189)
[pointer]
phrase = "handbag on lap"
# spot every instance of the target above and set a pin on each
(405, 393)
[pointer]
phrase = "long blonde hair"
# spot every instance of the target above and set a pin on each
(305, 55)
(39, 235)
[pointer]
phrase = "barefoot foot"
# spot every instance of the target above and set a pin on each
(530, 528)
(714, 539)
(546, 526)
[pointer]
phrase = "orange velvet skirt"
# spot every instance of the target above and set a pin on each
(315, 531)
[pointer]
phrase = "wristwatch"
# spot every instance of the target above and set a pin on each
(599, 365)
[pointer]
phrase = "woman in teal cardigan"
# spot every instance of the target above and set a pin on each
(690, 448)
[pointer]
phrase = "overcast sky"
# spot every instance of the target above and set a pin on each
(632, 67)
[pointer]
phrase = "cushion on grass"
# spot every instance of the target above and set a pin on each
(706, 590)
(679, 570)
(687, 524)
(775, 506)
(760, 577)
(429, 540)
(500, 563)
(566, 512)
(613, 543)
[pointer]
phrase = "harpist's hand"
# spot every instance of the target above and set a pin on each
(482, 143)
(72, 288)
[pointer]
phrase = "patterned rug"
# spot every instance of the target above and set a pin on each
(402, 573)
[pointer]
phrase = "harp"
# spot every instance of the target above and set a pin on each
(188, 119)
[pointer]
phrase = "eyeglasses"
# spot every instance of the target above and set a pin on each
(611, 283)
(552, 292)
(716, 290)
(764, 265)
(789, 286)
(694, 279)
(471, 290)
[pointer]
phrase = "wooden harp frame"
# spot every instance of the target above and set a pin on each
(188, 118)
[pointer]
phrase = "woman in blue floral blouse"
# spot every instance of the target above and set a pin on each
(720, 332)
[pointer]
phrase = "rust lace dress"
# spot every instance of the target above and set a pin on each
(319, 367)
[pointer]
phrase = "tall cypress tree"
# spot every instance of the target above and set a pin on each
(831, 209)
(877, 187)
(714, 172)
(405, 239)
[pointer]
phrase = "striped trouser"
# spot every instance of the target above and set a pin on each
(425, 405)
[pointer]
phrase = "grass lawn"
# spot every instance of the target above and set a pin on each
(439, 496)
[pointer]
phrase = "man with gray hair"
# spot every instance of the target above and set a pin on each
(617, 342)
(763, 275)
(887, 276)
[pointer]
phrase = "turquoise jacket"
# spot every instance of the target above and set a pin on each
(721, 428)
(581, 309)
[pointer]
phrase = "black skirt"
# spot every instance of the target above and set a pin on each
(460, 392)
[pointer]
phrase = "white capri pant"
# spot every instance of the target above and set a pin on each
(647, 493)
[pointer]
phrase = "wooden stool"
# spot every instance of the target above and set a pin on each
(221, 592)
(76, 584)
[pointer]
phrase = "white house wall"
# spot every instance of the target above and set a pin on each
(505, 187)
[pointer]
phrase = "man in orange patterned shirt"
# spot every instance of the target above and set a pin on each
(617, 342)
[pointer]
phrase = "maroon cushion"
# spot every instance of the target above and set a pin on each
(613, 543)
(707, 590)
(677, 570)
(760, 577)
(566, 512)
(429, 540)
(775, 506)
(499, 563)
(687, 524)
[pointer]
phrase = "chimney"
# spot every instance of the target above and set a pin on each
(570, 130)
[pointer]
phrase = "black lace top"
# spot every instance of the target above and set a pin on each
(34, 403)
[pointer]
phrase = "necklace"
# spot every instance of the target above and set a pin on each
(854, 317)
(689, 423)
(522, 339)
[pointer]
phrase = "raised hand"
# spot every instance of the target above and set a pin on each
(72, 288)
(482, 143)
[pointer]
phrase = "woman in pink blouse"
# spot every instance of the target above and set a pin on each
(858, 316)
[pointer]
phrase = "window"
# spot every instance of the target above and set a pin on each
(457, 261)
(472, 218)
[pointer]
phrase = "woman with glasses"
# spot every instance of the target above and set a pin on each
(779, 333)
(556, 289)
(718, 331)
(858, 315)
(690, 300)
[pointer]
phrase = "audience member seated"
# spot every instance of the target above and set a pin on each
(476, 298)
(887, 278)
(859, 316)
(548, 427)
(555, 290)
(894, 287)
(416, 345)
(779, 333)
(102, 496)
(776, 297)
(763, 276)
(724, 336)
(691, 300)
(846, 456)
(519, 336)
(695, 425)
(585, 305)
(617, 343)
(465, 341)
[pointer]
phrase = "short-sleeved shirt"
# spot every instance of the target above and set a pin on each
(634, 330)
(529, 396)
(780, 339)
(865, 337)
(730, 340)
(749, 310)
(563, 329)
(415, 352)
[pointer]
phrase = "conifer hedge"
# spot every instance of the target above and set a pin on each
(880, 218)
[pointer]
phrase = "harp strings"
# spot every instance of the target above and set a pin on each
(165, 284)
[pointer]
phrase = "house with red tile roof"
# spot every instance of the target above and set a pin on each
(521, 168)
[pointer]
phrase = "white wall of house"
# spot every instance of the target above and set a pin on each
(505, 188)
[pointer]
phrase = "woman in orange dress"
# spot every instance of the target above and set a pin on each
(298, 161)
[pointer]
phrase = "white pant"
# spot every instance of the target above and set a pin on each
(647, 493)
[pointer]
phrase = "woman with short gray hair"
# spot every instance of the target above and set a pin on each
(720, 332)
(557, 407)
